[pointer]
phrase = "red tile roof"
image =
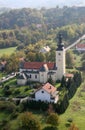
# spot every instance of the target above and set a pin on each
(49, 88)
(69, 75)
(80, 45)
(38, 65)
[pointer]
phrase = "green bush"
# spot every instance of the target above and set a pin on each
(7, 106)
(50, 128)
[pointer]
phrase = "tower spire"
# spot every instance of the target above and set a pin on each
(60, 38)
(60, 44)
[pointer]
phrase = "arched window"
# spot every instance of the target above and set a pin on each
(30, 76)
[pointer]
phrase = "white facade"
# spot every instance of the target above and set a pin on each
(80, 47)
(60, 63)
(45, 49)
(42, 95)
(47, 93)
(21, 81)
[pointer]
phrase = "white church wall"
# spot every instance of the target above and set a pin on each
(42, 95)
(33, 77)
(43, 77)
(60, 63)
(21, 81)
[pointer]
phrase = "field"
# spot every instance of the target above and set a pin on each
(75, 111)
(7, 51)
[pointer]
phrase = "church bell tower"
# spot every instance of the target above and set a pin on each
(60, 58)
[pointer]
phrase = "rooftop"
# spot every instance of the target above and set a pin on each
(49, 88)
(80, 46)
(38, 65)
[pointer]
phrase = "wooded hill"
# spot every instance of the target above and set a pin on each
(54, 17)
(29, 26)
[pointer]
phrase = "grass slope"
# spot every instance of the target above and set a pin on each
(7, 51)
(75, 111)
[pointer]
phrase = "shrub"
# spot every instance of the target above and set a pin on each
(27, 121)
(50, 128)
(70, 120)
(53, 119)
(17, 91)
(7, 106)
(14, 115)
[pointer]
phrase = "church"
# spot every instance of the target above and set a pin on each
(42, 71)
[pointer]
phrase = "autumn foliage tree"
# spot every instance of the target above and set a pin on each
(73, 127)
(53, 119)
(27, 121)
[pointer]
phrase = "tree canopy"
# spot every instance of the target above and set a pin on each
(27, 121)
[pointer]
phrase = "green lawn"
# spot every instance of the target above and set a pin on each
(15, 89)
(7, 51)
(75, 111)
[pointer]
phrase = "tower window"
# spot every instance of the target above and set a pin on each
(35, 76)
(59, 53)
(42, 91)
(30, 76)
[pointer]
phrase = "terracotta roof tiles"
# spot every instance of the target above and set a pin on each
(80, 46)
(38, 65)
(49, 88)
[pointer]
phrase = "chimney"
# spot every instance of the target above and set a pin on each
(49, 87)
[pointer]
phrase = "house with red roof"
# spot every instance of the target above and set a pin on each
(47, 93)
(42, 71)
(80, 47)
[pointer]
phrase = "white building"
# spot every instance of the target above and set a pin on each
(80, 47)
(45, 49)
(41, 71)
(47, 93)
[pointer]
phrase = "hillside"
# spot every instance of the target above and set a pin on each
(21, 27)
(54, 17)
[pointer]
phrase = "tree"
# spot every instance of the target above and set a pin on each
(83, 65)
(73, 127)
(50, 128)
(50, 80)
(63, 82)
(83, 57)
(53, 119)
(31, 56)
(69, 59)
(13, 62)
(40, 57)
(27, 121)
